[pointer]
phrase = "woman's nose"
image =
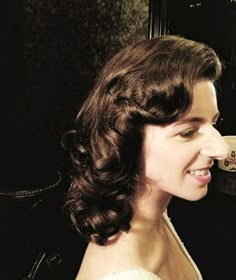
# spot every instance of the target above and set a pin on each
(215, 147)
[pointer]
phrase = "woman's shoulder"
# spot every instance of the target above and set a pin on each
(134, 274)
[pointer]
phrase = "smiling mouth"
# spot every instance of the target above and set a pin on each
(200, 172)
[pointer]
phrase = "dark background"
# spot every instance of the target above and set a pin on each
(50, 54)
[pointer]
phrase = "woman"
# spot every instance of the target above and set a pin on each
(145, 134)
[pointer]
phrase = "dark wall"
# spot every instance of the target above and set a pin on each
(50, 54)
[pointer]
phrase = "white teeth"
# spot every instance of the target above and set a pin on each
(201, 172)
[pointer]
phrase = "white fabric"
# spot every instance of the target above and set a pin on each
(134, 274)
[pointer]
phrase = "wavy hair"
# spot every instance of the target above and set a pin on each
(149, 82)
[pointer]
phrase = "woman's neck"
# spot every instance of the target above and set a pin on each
(148, 208)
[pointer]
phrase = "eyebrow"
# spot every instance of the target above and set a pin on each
(194, 119)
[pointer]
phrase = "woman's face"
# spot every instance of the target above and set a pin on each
(178, 156)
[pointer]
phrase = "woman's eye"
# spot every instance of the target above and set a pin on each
(188, 133)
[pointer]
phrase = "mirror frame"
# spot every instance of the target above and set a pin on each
(158, 18)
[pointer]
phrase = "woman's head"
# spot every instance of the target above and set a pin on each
(149, 82)
(177, 156)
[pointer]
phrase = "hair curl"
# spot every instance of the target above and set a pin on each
(149, 82)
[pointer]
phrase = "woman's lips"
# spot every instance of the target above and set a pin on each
(201, 175)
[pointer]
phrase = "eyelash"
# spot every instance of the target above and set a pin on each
(188, 133)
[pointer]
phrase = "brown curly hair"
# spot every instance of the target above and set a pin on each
(149, 82)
